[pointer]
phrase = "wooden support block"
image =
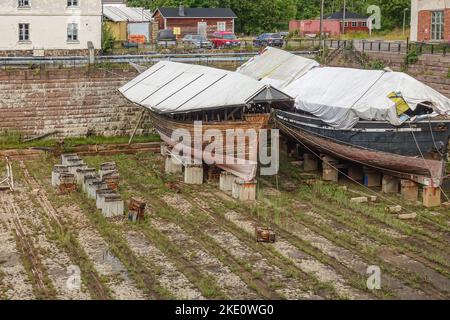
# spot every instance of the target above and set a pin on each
(172, 166)
(359, 200)
(409, 190)
(407, 216)
(329, 170)
(431, 197)
(356, 173)
(226, 181)
(372, 178)
(394, 209)
(193, 174)
(310, 162)
(244, 190)
(390, 184)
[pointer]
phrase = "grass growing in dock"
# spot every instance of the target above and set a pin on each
(14, 140)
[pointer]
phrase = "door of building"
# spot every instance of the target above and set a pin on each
(202, 28)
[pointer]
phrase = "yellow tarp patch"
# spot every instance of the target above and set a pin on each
(400, 103)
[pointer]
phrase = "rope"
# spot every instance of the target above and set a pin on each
(340, 171)
(432, 136)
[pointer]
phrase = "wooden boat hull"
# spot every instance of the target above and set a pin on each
(242, 165)
(416, 151)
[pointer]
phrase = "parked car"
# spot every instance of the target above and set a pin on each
(166, 38)
(284, 34)
(268, 39)
(197, 41)
(225, 39)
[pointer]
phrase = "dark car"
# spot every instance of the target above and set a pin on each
(197, 41)
(166, 37)
(268, 39)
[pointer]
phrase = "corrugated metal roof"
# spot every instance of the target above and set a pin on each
(122, 13)
(170, 87)
(277, 67)
(197, 13)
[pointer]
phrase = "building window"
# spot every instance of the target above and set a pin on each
(437, 25)
(221, 26)
(354, 24)
(364, 23)
(346, 24)
(72, 3)
(24, 32)
(72, 32)
(24, 4)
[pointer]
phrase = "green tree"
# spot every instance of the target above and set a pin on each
(108, 38)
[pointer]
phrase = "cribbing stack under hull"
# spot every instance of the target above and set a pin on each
(416, 151)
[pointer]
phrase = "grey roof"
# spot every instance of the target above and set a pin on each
(171, 88)
(348, 15)
(197, 12)
(122, 13)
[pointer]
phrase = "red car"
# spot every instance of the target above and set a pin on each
(225, 39)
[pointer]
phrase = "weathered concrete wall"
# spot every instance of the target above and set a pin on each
(73, 101)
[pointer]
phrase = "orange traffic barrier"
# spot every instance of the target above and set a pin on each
(137, 38)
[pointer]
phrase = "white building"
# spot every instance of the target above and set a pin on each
(430, 20)
(50, 25)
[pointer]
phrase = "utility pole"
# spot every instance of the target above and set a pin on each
(404, 20)
(322, 41)
(343, 16)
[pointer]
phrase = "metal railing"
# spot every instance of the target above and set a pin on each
(30, 62)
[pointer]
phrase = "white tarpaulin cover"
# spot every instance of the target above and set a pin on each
(277, 67)
(170, 87)
(342, 96)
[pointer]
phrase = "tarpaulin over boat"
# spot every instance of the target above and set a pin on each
(171, 88)
(277, 67)
(342, 96)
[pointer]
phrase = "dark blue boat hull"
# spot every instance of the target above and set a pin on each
(416, 151)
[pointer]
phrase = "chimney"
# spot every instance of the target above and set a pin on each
(181, 11)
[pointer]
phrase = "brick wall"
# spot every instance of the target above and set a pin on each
(447, 25)
(73, 101)
(424, 25)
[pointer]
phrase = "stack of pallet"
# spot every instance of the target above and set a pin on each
(109, 175)
(136, 209)
(67, 183)
(101, 186)
(63, 177)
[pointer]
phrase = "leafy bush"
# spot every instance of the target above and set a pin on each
(377, 65)
(412, 57)
(108, 38)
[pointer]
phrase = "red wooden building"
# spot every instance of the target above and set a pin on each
(195, 20)
(353, 21)
(333, 25)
